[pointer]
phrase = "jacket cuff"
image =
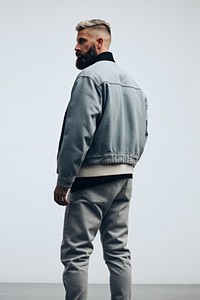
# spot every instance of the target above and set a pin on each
(64, 182)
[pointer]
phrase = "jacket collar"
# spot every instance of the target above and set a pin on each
(104, 56)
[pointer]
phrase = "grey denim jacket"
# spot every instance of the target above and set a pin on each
(105, 121)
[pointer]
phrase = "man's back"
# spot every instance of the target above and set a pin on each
(120, 134)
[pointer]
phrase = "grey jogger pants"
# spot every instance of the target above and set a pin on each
(104, 208)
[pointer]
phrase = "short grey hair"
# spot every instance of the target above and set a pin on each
(94, 23)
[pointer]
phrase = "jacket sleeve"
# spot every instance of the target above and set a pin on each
(79, 125)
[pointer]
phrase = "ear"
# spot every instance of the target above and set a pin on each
(99, 43)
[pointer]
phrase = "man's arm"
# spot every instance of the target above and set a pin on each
(80, 121)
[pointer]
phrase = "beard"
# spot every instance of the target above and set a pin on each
(85, 60)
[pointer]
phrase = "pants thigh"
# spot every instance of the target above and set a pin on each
(81, 222)
(105, 207)
(114, 226)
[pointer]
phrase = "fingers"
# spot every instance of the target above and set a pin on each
(61, 201)
(60, 196)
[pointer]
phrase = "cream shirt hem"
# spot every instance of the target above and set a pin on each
(104, 170)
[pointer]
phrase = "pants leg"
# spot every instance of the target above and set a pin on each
(114, 231)
(80, 227)
(89, 210)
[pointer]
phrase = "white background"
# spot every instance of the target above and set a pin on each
(158, 42)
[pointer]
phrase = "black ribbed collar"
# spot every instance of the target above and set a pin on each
(104, 56)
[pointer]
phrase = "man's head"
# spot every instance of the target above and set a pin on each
(93, 38)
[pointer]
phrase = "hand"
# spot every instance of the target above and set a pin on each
(60, 194)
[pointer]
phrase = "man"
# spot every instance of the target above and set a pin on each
(103, 136)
